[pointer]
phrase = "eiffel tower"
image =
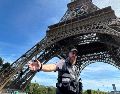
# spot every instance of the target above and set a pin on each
(93, 31)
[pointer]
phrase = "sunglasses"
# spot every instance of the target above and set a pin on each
(74, 53)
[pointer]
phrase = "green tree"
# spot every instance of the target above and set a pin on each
(35, 88)
(51, 90)
(6, 65)
(95, 92)
(1, 61)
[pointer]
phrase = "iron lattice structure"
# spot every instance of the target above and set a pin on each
(94, 32)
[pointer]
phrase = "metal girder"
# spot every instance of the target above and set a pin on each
(92, 30)
(93, 46)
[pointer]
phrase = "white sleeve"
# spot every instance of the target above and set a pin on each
(59, 64)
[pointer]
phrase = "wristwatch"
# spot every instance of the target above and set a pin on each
(40, 68)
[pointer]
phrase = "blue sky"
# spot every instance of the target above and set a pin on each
(24, 22)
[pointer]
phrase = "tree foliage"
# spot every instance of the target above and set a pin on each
(94, 92)
(35, 88)
(1, 61)
(3, 65)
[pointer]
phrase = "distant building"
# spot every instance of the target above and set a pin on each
(114, 90)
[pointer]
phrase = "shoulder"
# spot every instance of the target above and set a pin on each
(60, 63)
(61, 60)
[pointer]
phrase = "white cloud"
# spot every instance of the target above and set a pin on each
(45, 80)
(49, 74)
(53, 60)
(105, 3)
(103, 84)
(100, 75)
(101, 67)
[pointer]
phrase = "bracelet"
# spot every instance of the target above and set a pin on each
(40, 68)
